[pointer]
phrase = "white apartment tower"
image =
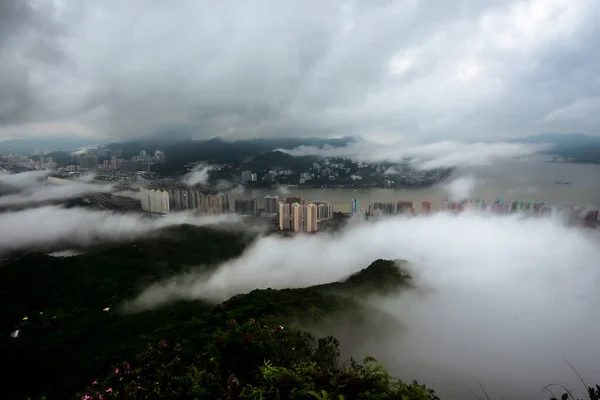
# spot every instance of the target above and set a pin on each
(311, 218)
(284, 216)
(297, 217)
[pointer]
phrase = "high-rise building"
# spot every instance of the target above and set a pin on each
(388, 208)
(293, 199)
(354, 207)
(284, 216)
(246, 176)
(155, 201)
(403, 206)
(311, 218)
(425, 208)
(271, 204)
(245, 206)
(297, 217)
(88, 162)
(445, 204)
(325, 210)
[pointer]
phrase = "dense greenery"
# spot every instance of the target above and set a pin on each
(252, 361)
(68, 343)
(66, 339)
(180, 153)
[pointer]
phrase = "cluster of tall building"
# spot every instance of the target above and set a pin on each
(531, 208)
(155, 201)
(271, 205)
(248, 176)
(164, 201)
(295, 215)
(379, 209)
(13, 159)
(391, 207)
(246, 206)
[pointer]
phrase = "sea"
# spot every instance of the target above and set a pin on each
(525, 180)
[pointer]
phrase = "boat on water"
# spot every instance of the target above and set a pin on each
(563, 183)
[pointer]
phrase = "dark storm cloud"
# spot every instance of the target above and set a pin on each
(418, 68)
(27, 36)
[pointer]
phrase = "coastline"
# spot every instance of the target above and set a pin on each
(354, 186)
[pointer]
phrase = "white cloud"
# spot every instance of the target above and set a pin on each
(23, 179)
(434, 155)
(480, 69)
(49, 226)
(198, 176)
(501, 300)
(461, 188)
(51, 192)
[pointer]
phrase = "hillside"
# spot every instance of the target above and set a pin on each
(66, 339)
(576, 147)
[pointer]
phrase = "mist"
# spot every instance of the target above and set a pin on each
(500, 300)
(442, 154)
(77, 227)
(461, 188)
(23, 180)
(51, 192)
(198, 176)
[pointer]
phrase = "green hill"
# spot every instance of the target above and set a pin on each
(67, 339)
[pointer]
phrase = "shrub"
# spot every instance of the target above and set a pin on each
(252, 361)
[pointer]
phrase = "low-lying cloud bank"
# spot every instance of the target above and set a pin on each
(198, 176)
(502, 300)
(78, 227)
(443, 154)
(461, 188)
(23, 179)
(49, 192)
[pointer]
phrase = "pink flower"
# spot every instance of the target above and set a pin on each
(164, 344)
(116, 370)
(100, 397)
(94, 383)
(86, 397)
(109, 390)
(128, 366)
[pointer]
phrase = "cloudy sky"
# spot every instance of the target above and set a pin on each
(431, 69)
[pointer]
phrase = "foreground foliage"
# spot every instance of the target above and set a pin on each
(253, 361)
(68, 338)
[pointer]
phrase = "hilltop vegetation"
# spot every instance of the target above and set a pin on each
(66, 339)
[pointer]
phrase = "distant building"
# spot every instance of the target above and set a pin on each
(425, 208)
(445, 204)
(284, 216)
(246, 206)
(246, 176)
(311, 218)
(88, 162)
(297, 217)
(271, 204)
(186, 199)
(387, 208)
(155, 201)
(354, 207)
(324, 210)
(293, 199)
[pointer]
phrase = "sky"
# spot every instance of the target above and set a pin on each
(380, 69)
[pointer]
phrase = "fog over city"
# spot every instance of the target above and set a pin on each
(499, 299)
(419, 85)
